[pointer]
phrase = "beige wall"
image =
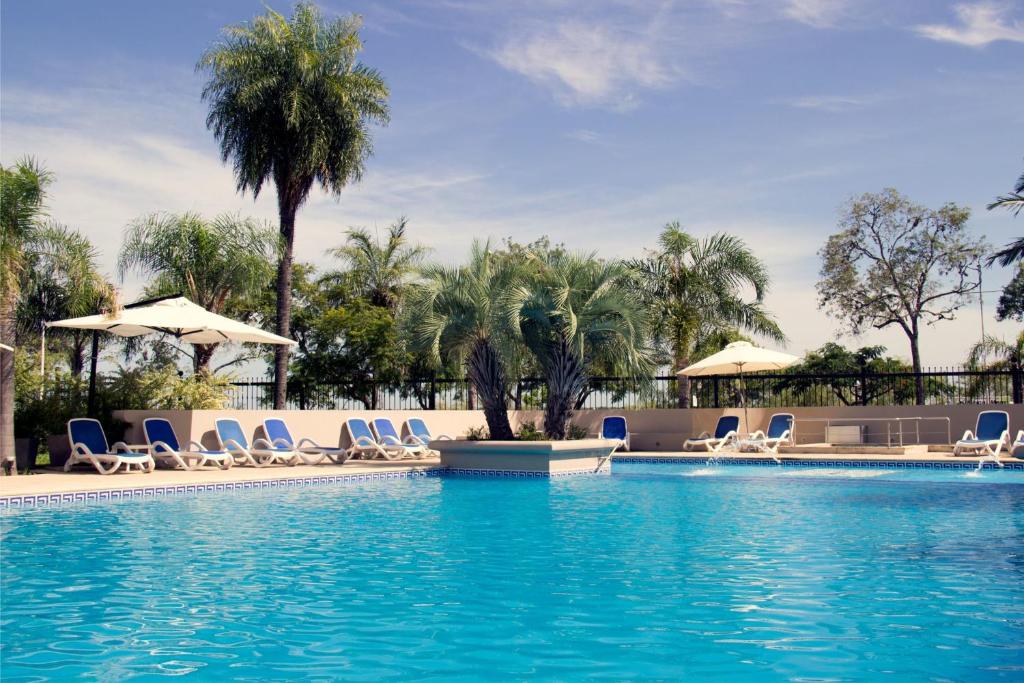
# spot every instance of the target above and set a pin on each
(653, 430)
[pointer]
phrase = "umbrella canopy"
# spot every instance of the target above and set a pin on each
(177, 317)
(739, 357)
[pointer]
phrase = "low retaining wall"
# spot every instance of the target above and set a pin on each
(651, 430)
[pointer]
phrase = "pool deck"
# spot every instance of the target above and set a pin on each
(83, 481)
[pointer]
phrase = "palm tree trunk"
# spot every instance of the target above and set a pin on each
(286, 210)
(488, 377)
(566, 380)
(7, 307)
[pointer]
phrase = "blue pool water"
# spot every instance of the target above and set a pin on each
(654, 572)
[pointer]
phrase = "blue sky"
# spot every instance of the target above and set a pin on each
(592, 122)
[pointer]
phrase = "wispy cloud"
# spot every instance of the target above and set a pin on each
(979, 24)
(817, 13)
(583, 135)
(833, 103)
(587, 63)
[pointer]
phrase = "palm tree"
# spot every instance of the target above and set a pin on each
(380, 271)
(63, 281)
(694, 287)
(1014, 202)
(1006, 356)
(458, 313)
(575, 313)
(210, 262)
(22, 204)
(290, 103)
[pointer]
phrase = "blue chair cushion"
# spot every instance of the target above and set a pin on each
(359, 429)
(89, 433)
(159, 429)
(614, 428)
(277, 430)
(726, 424)
(230, 430)
(385, 427)
(991, 425)
(418, 428)
(778, 426)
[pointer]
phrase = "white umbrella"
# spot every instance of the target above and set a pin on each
(739, 357)
(176, 316)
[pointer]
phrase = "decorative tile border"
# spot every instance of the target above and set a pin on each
(47, 499)
(761, 462)
(521, 474)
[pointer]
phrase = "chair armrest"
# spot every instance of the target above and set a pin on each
(759, 434)
(730, 435)
(263, 443)
(364, 441)
(119, 446)
(389, 440)
(1020, 437)
(233, 445)
(160, 447)
(282, 443)
(413, 440)
(80, 447)
(196, 445)
(306, 441)
(444, 437)
(967, 435)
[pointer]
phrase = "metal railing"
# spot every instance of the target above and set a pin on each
(761, 390)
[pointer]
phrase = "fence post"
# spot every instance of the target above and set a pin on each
(433, 391)
(717, 405)
(863, 383)
(302, 396)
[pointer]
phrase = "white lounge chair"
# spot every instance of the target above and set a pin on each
(614, 427)
(89, 444)
(387, 436)
(164, 445)
(725, 431)
(310, 451)
(363, 443)
(415, 427)
(262, 453)
(780, 433)
(990, 435)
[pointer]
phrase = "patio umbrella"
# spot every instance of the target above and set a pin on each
(175, 316)
(738, 357)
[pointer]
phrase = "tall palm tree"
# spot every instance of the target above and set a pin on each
(1004, 356)
(694, 288)
(63, 281)
(22, 204)
(458, 313)
(291, 104)
(379, 271)
(574, 313)
(1014, 202)
(209, 261)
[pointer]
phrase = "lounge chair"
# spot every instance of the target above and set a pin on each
(310, 451)
(614, 427)
(363, 443)
(726, 430)
(262, 453)
(417, 428)
(164, 445)
(780, 433)
(387, 436)
(990, 434)
(89, 444)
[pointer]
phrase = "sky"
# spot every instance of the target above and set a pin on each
(594, 123)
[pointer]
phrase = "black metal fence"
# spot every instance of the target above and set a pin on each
(941, 387)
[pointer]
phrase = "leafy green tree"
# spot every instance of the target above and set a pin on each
(695, 290)
(894, 262)
(22, 205)
(458, 314)
(290, 103)
(575, 313)
(209, 261)
(1011, 300)
(62, 281)
(1013, 202)
(995, 354)
(380, 271)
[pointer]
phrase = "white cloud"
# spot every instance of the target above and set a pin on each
(980, 23)
(583, 135)
(587, 63)
(832, 103)
(817, 13)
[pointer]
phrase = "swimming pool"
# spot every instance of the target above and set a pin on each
(657, 571)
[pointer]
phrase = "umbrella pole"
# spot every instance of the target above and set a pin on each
(743, 401)
(91, 404)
